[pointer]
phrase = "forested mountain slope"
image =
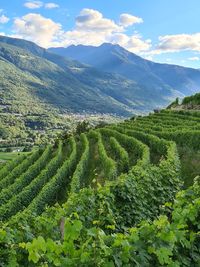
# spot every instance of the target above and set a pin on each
(67, 85)
(149, 75)
(29, 78)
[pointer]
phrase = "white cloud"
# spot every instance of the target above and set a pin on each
(81, 37)
(136, 44)
(178, 42)
(37, 28)
(92, 20)
(194, 58)
(33, 4)
(132, 43)
(51, 5)
(39, 4)
(91, 28)
(3, 19)
(128, 20)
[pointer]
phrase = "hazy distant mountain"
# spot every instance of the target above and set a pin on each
(153, 76)
(33, 78)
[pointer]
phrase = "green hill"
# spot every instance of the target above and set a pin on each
(118, 186)
(31, 84)
(187, 103)
(192, 100)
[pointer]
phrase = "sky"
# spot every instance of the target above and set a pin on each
(165, 31)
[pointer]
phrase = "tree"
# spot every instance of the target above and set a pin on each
(177, 101)
(4, 133)
(82, 127)
(8, 149)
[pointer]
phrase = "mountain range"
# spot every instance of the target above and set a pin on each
(104, 79)
(153, 76)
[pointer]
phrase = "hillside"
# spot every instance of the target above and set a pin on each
(38, 90)
(164, 78)
(27, 76)
(66, 85)
(187, 103)
(192, 102)
(129, 171)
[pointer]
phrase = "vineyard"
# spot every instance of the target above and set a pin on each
(108, 197)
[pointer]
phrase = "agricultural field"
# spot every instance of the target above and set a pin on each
(127, 194)
(5, 156)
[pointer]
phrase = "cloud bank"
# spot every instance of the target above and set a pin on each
(91, 28)
(178, 42)
(36, 28)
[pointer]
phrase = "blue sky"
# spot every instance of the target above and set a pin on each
(160, 30)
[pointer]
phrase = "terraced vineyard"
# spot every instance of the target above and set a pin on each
(130, 170)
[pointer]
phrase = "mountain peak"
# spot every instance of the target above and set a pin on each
(115, 59)
(81, 46)
(109, 45)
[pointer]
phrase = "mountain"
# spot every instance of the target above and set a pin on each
(34, 80)
(147, 74)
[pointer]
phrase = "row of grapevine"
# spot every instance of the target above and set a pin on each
(108, 165)
(10, 177)
(135, 148)
(19, 201)
(122, 157)
(182, 114)
(157, 146)
(179, 136)
(82, 166)
(48, 194)
(160, 126)
(26, 177)
(8, 168)
(168, 121)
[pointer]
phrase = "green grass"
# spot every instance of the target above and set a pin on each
(6, 156)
